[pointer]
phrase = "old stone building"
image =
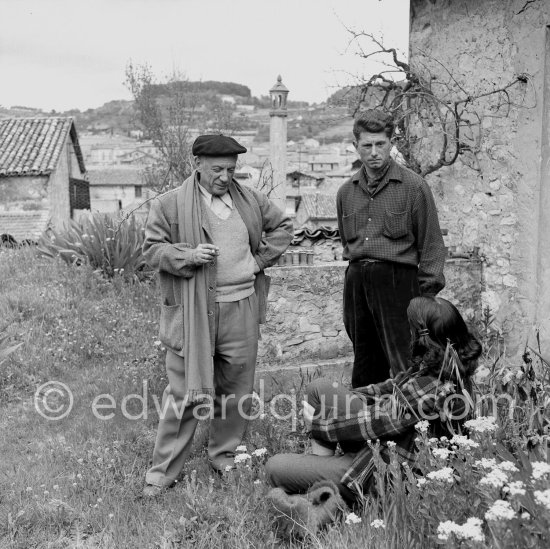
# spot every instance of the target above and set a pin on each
(496, 196)
(42, 175)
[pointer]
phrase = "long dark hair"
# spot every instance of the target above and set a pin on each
(434, 323)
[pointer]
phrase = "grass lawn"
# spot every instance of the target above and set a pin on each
(77, 481)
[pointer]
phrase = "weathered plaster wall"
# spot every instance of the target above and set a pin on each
(304, 317)
(484, 44)
(60, 208)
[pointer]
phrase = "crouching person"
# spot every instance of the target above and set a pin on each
(444, 356)
(210, 240)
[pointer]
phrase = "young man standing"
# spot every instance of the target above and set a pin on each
(391, 236)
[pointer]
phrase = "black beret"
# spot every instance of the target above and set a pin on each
(216, 145)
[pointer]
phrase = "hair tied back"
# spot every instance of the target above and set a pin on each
(423, 332)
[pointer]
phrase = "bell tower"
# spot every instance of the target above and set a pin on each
(277, 141)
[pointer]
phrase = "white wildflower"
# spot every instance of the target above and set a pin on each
(495, 478)
(391, 444)
(111, 515)
(542, 497)
(540, 469)
(441, 453)
(29, 489)
(422, 426)
(525, 516)
(516, 488)
(486, 463)
(500, 510)
(470, 530)
(442, 475)
(257, 481)
(228, 468)
(352, 518)
(420, 482)
(241, 448)
(463, 441)
(433, 440)
(507, 466)
(259, 452)
(481, 424)
(240, 458)
(378, 523)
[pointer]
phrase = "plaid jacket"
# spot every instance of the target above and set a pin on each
(382, 420)
(397, 223)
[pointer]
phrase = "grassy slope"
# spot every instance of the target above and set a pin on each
(76, 482)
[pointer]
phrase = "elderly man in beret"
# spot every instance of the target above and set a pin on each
(210, 240)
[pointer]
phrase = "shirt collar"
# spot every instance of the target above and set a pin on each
(393, 173)
(225, 198)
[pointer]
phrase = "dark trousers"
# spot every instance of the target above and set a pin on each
(376, 297)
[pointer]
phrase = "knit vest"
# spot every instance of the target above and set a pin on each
(235, 269)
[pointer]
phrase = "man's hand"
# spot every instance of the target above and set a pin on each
(308, 413)
(204, 253)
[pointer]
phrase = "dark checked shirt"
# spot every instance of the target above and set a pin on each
(397, 222)
(382, 420)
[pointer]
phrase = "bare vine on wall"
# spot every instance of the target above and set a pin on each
(438, 119)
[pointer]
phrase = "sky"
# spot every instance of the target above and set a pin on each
(64, 54)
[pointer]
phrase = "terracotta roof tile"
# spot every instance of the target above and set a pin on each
(32, 146)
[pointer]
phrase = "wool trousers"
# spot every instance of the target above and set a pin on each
(376, 297)
(236, 349)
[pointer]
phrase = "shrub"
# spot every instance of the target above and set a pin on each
(109, 246)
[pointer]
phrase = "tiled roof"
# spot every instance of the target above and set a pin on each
(32, 146)
(116, 176)
(321, 233)
(24, 224)
(319, 205)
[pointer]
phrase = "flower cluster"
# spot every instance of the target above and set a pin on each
(352, 518)
(442, 475)
(470, 530)
(540, 469)
(500, 510)
(378, 523)
(481, 424)
(542, 497)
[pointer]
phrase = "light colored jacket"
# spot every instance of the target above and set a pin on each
(164, 252)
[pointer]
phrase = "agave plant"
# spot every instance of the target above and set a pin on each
(107, 245)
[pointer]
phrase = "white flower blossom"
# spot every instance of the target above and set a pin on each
(540, 469)
(525, 516)
(516, 488)
(239, 458)
(507, 466)
(495, 478)
(463, 441)
(486, 463)
(500, 510)
(470, 530)
(391, 444)
(378, 523)
(422, 426)
(228, 468)
(352, 518)
(441, 453)
(433, 440)
(259, 452)
(241, 448)
(481, 424)
(542, 497)
(420, 482)
(443, 475)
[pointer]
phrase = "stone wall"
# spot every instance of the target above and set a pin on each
(492, 197)
(304, 316)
